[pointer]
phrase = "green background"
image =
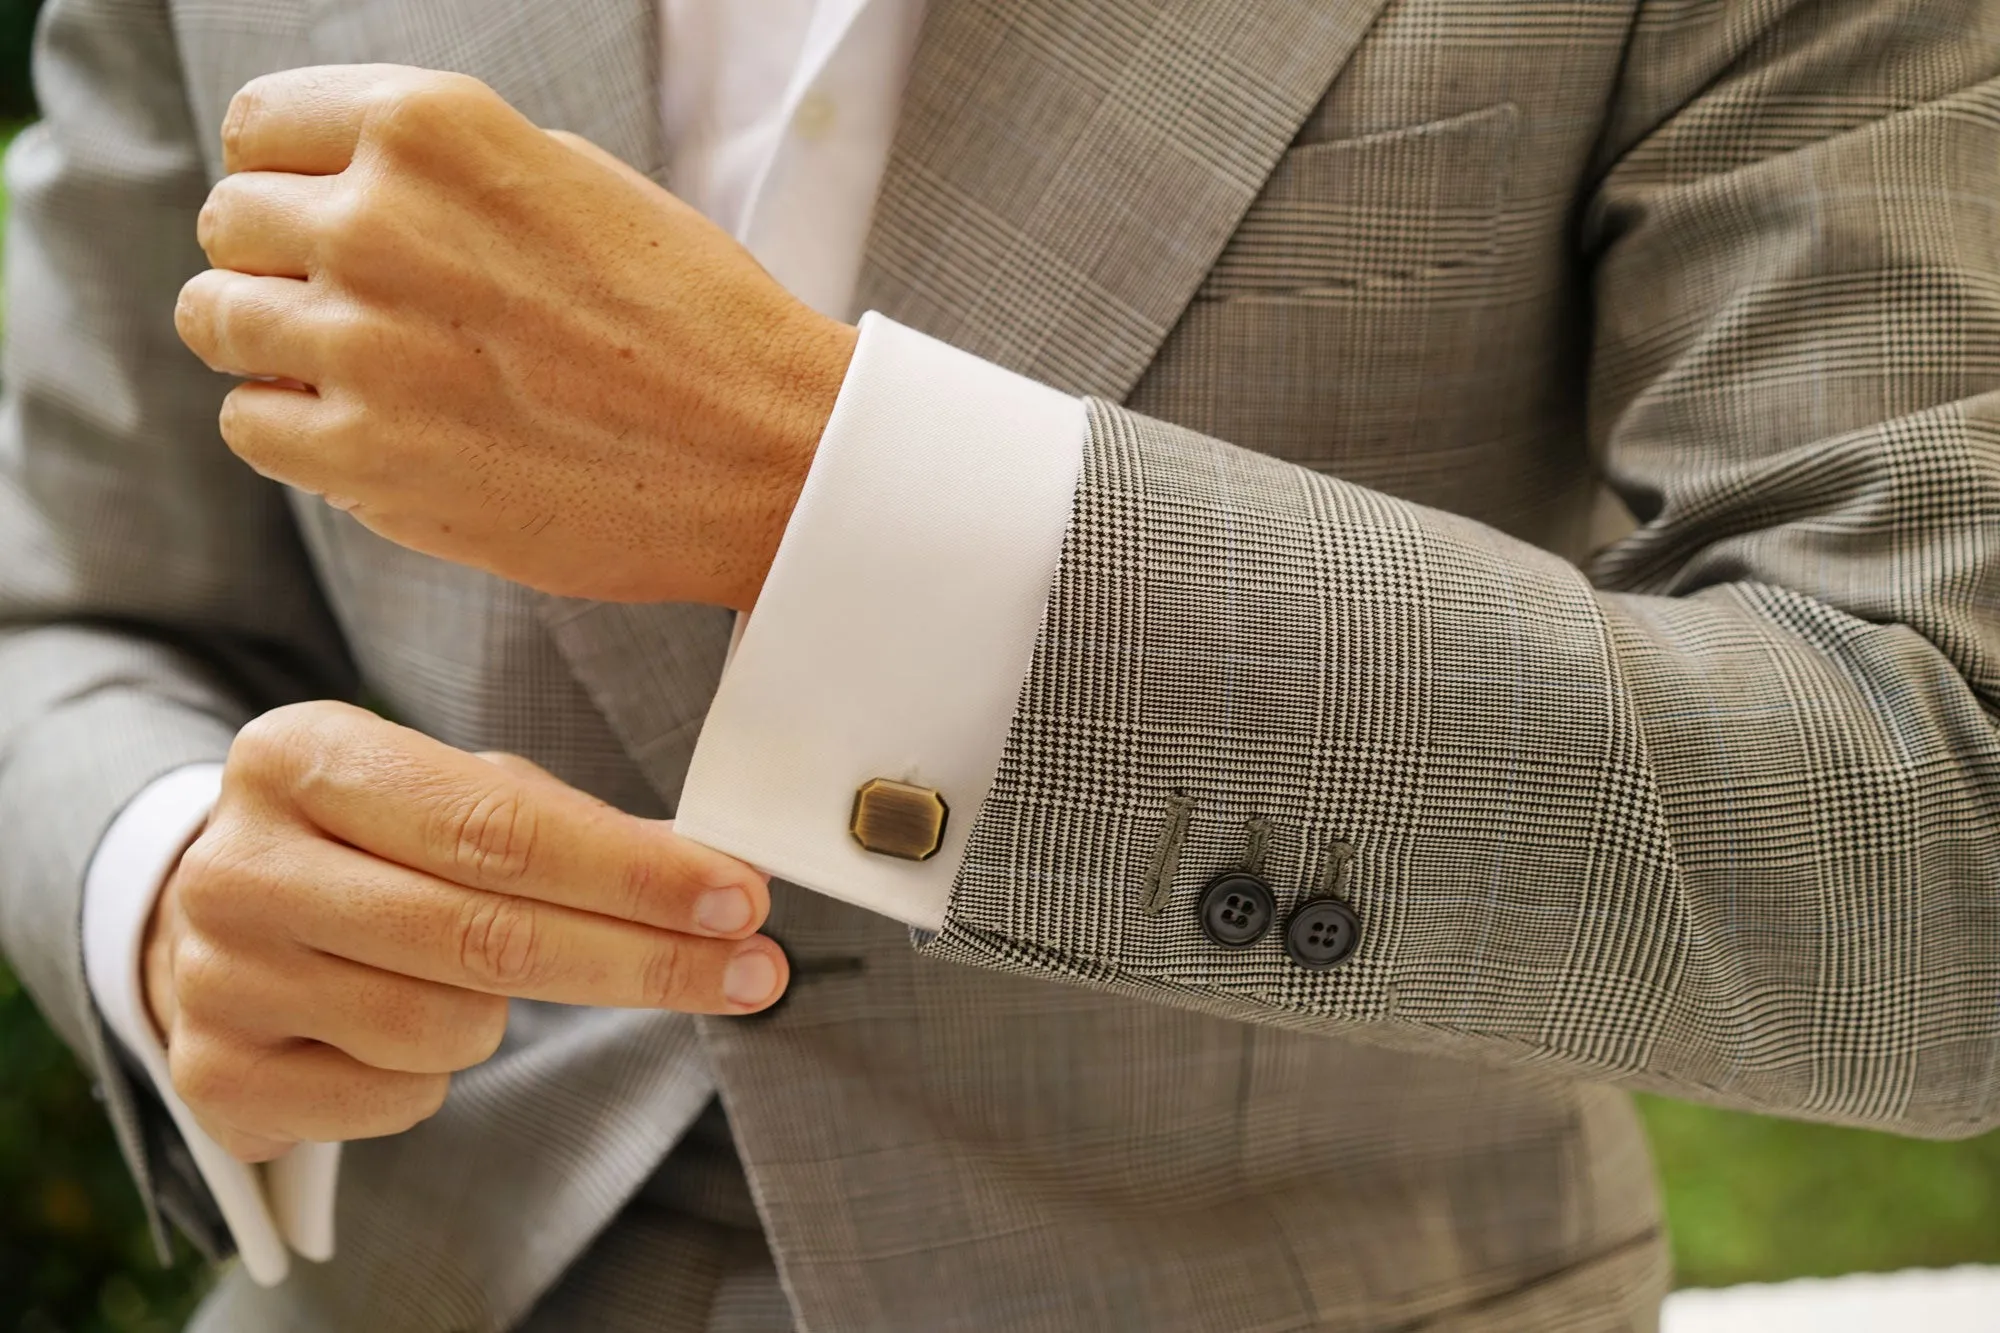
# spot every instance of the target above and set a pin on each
(1748, 1198)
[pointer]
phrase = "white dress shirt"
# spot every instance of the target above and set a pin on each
(942, 483)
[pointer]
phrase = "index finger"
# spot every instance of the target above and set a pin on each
(306, 121)
(420, 803)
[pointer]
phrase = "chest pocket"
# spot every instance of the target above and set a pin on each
(1376, 210)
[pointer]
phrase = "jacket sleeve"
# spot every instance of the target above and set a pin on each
(1719, 817)
(153, 595)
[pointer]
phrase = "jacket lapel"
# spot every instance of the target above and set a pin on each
(1067, 171)
(1065, 174)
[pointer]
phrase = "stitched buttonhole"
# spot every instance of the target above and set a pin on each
(1159, 885)
(1336, 879)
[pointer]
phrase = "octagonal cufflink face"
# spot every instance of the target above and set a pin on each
(896, 819)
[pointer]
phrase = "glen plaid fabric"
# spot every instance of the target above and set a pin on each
(1720, 817)
(1715, 816)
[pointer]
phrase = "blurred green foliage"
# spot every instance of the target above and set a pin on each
(1753, 1199)
(75, 1256)
(1748, 1198)
(17, 28)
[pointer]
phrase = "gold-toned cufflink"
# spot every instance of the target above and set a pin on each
(896, 819)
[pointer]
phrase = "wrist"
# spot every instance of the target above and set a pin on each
(801, 386)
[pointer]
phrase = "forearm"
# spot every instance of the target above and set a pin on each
(1684, 843)
(1671, 835)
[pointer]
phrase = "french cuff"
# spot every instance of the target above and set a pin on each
(286, 1205)
(862, 714)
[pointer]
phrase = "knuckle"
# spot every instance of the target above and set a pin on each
(399, 115)
(642, 888)
(269, 446)
(348, 438)
(202, 869)
(499, 942)
(353, 228)
(276, 728)
(236, 120)
(194, 314)
(413, 113)
(667, 980)
(202, 978)
(225, 307)
(480, 1033)
(447, 1031)
(227, 195)
(491, 836)
(290, 742)
(425, 1098)
(262, 738)
(216, 873)
(206, 221)
(229, 422)
(239, 431)
(242, 313)
(270, 743)
(206, 1074)
(455, 1035)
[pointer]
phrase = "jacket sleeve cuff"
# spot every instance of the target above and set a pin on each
(285, 1205)
(897, 624)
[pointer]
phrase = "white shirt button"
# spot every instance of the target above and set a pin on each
(815, 116)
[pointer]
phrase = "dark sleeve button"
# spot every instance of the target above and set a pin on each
(1322, 933)
(1236, 910)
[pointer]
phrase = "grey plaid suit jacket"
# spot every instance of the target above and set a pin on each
(1375, 300)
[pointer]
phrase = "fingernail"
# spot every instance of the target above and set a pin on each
(750, 977)
(723, 911)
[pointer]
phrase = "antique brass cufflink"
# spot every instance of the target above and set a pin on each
(896, 819)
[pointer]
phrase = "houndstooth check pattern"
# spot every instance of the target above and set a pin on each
(1713, 812)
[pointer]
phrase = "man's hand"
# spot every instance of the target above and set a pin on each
(500, 346)
(343, 935)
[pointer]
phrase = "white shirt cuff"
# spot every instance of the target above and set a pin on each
(286, 1203)
(897, 623)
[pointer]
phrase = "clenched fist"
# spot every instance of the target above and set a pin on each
(502, 347)
(344, 933)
